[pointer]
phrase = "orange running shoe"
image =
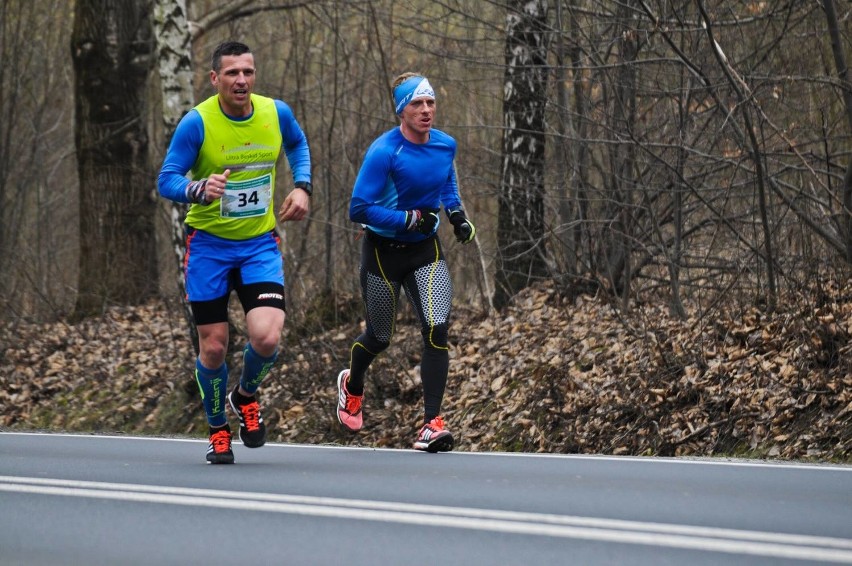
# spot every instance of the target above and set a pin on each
(433, 437)
(219, 450)
(252, 429)
(348, 405)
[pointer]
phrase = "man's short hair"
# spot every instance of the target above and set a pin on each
(228, 48)
(403, 77)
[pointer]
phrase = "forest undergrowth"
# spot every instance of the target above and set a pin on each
(548, 374)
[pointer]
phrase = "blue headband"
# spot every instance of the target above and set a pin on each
(409, 89)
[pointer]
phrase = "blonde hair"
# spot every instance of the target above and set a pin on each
(403, 77)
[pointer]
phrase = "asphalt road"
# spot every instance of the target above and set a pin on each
(81, 499)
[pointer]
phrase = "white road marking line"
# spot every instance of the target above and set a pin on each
(732, 541)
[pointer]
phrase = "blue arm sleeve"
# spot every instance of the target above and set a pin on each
(372, 203)
(180, 157)
(450, 192)
(295, 143)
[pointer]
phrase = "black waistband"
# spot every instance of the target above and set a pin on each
(390, 243)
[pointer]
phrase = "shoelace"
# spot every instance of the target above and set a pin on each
(251, 415)
(221, 441)
(353, 404)
(435, 425)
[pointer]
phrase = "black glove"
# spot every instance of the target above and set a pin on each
(424, 221)
(463, 228)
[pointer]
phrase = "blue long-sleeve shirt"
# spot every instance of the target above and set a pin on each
(397, 176)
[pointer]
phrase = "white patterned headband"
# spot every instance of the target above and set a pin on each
(410, 89)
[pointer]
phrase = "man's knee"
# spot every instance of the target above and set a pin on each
(372, 344)
(435, 336)
(212, 345)
(264, 328)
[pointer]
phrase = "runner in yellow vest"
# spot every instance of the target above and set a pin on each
(222, 160)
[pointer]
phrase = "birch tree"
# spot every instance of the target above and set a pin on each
(174, 65)
(520, 224)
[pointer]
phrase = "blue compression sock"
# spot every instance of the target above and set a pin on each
(255, 368)
(213, 384)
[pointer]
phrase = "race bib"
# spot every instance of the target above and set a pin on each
(246, 198)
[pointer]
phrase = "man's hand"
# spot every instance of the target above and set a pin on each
(423, 221)
(463, 228)
(295, 206)
(207, 190)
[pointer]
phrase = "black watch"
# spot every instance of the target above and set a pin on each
(305, 186)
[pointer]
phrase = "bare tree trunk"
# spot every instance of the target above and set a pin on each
(582, 236)
(38, 192)
(746, 100)
(846, 90)
(566, 165)
(174, 57)
(679, 189)
(623, 159)
(112, 48)
(520, 228)
(676, 254)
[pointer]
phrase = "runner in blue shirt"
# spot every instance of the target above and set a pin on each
(407, 175)
(222, 160)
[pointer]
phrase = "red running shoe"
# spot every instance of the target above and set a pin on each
(348, 405)
(433, 437)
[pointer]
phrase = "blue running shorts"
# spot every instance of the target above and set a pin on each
(215, 266)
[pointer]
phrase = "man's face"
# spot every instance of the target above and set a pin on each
(417, 117)
(234, 82)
